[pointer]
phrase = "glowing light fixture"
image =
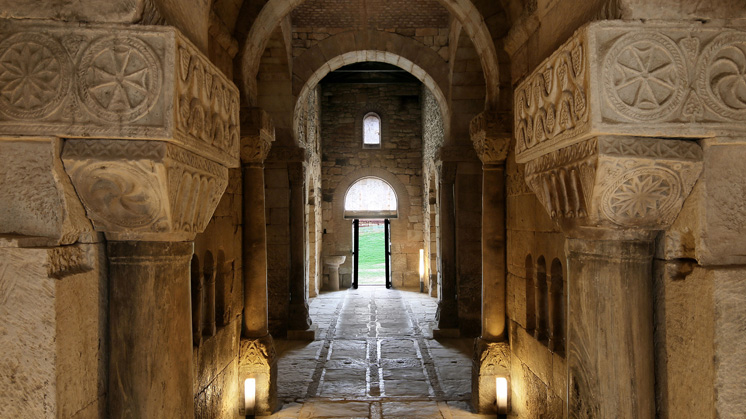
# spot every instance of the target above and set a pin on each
(422, 270)
(501, 391)
(249, 400)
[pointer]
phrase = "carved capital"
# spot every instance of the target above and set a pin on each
(491, 137)
(257, 135)
(616, 182)
(144, 190)
(258, 360)
(118, 82)
(632, 78)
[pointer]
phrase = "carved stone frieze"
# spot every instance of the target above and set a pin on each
(257, 353)
(626, 182)
(634, 79)
(149, 190)
(257, 135)
(136, 82)
(491, 137)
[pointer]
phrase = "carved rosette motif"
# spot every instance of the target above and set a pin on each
(617, 182)
(123, 82)
(144, 189)
(636, 79)
(490, 138)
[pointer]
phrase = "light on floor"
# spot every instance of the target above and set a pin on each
(501, 391)
(422, 270)
(249, 401)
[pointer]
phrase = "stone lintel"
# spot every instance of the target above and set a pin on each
(120, 82)
(490, 360)
(39, 206)
(654, 79)
(257, 135)
(491, 137)
(258, 360)
(616, 183)
(144, 190)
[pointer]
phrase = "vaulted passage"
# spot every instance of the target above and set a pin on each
(185, 187)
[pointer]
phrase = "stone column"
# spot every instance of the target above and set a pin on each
(150, 342)
(491, 353)
(165, 123)
(447, 314)
(299, 322)
(611, 195)
(257, 355)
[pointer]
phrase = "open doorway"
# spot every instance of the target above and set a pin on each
(371, 253)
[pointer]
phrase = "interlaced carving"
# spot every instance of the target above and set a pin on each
(257, 353)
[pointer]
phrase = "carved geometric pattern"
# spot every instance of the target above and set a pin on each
(645, 76)
(635, 79)
(722, 75)
(34, 75)
(257, 353)
(641, 197)
(629, 147)
(120, 82)
(119, 78)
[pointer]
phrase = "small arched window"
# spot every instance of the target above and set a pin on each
(371, 130)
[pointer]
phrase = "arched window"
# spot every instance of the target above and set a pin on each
(530, 296)
(542, 301)
(557, 310)
(371, 130)
(370, 197)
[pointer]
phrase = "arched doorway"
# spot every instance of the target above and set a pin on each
(371, 203)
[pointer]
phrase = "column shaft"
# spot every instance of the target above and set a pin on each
(150, 359)
(610, 354)
(255, 314)
(447, 306)
(493, 252)
(299, 319)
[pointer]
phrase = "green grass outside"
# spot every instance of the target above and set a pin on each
(372, 269)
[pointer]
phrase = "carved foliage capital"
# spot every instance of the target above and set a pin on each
(616, 182)
(491, 137)
(257, 135)
(144, 190)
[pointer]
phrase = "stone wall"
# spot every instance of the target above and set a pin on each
(538, 374)
(433, 136)
(398, 161)
(217, 260)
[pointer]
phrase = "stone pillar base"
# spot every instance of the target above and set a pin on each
(308, 334)
(258, 360)
(491, 360)
(450, 333)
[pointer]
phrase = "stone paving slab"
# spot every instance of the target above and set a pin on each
(374, 358)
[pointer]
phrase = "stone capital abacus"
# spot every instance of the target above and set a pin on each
(491, 138)
(257, 135)
(116, 82)
(664, 80)
(144, 190)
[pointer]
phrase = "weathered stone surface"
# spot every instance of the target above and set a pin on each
(144, 189)
(38, 198)
(491, 360)
(491, 137)
(604, 81)
(52, 307)
(138, 82)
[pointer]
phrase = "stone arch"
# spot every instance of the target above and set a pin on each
(312, 66)
(463, 10)
(342, 239)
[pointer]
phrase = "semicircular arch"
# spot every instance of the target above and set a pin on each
(463, 10)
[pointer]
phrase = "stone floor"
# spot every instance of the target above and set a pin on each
(374, 357)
